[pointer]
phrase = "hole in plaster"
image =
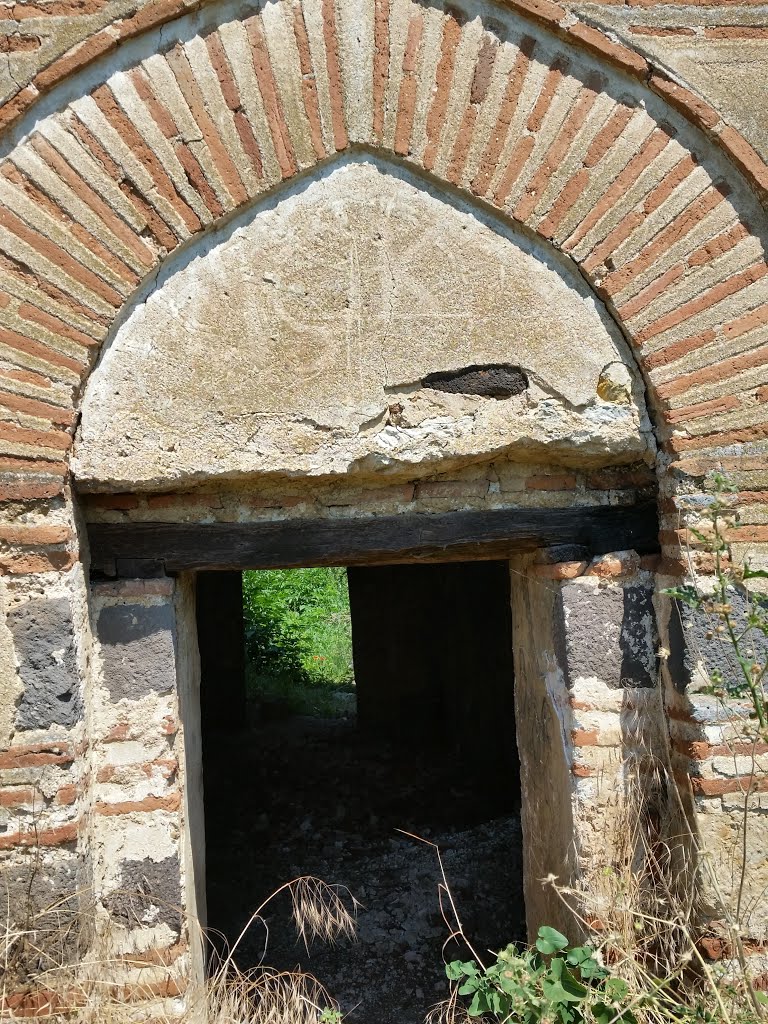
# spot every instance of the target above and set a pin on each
(491, 381)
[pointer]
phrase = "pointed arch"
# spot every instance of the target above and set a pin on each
(552, 127)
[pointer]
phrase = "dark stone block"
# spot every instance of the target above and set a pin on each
(488, 381)
(138, 646)
(689, 643)
(44, 903)
(44, 639)
(149, 894)
(610, 633)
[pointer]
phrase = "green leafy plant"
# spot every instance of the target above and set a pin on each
(547, 983)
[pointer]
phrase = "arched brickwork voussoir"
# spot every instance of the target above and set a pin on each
(192, 126)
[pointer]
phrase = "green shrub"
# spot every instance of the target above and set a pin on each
(550, 983)
(297, 625)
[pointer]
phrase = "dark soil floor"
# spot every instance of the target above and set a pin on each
(304, 796)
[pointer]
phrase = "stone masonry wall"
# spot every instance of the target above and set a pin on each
(616, 139)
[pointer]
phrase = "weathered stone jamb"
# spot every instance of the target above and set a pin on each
(586, 741)
(146, 821)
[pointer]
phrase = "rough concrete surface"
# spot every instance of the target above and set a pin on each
(283, 344)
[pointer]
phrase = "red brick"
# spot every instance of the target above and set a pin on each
(381, 55)
(442, 89)
(611, 566)
(564, 202)
(585, 738)
(156, 13)
(91, 199)
(149, 803)
(683, 99)
(695, 750)
(56, 255)
(29, 489)
(407, 98)
(711, 408)
(309, 82)
(20, 796)
(196, 176)
(608, 134)
(177, 61)
(549, 13)
(10, 464)
(271, 98)
(498, 136)
(144, 153)
(34, 407)
(77, 58)
(56, 325)
(736, 32)
(55, 439)
(517, 160)
(560, 146)
(702, 302)
(335, 82)
(33, 535)
(31, 564)
(66, 796)
(716, 372)
(651, 292)
(718, 246)
(18, 43)
(649, 150)
(41, 350)
(19, 272)
(26, 377)
(744, 156)
(14, 107)
(671, 180)
(598, 42)
(41, 837)
(719, 787)
(669, 236)
(678, 349)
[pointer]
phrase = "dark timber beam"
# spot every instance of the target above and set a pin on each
(381, 540)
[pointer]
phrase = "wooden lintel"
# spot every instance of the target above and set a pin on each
(378, 540)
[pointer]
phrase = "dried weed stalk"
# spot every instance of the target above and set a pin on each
(66, 990)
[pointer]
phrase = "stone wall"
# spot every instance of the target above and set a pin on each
(597, 158)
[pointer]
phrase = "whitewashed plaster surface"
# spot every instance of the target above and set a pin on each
(294, 341)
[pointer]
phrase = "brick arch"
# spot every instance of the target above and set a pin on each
(540, 129)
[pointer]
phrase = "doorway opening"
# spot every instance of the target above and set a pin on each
(304, 779)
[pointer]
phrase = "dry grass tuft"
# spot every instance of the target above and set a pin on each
(322, 912)
(266, 997)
